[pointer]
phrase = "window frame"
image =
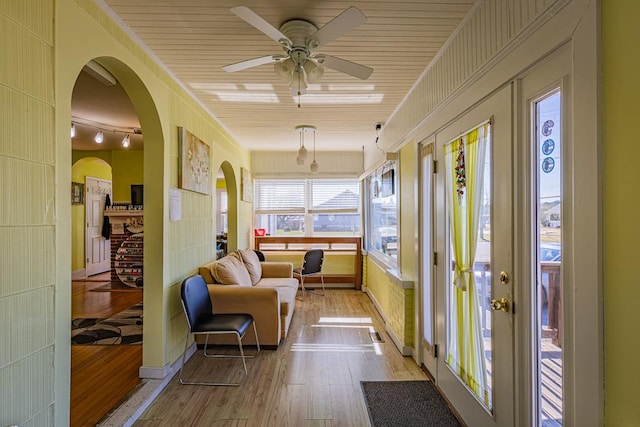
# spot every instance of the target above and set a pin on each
(369, 188)
(308, 211)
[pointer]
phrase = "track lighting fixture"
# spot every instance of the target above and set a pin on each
(79, 126)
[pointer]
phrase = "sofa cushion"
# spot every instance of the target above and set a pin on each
(230, 270)
(283, 282)
(252, 264)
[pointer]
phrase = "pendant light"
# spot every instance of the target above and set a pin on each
(314, 164)
(302, 151)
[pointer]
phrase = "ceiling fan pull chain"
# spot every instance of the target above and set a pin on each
(299, 89)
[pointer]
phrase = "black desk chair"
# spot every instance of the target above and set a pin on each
(311, 266)
(201, 320)
(260, 255)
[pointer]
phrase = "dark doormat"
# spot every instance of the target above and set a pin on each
(406, 403)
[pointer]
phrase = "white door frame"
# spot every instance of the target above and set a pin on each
(427, 352)
(96, 242)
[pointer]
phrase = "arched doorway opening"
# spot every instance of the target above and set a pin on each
(124, 117)
(227, 178)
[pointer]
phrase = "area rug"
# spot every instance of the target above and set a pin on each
(123, 328)
(406, 403)
(115, 287)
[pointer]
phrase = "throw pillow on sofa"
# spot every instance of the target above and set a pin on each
(252, 263)
(230, 270)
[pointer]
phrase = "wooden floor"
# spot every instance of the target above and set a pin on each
(312, 379)
(101, 375)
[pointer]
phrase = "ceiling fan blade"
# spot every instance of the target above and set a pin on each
(348, 20)
(338, 64)
(249, 63)
(258, 22)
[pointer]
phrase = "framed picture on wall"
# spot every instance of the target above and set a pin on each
(194, 169)
(77, 193)
(246, 185)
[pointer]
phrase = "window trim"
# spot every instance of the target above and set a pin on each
(307, 211)
(372, 251)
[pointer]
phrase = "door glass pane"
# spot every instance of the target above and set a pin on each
(469, 323)
(548, 259)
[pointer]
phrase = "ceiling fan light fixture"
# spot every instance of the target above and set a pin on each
(284, 70)
(313, 72)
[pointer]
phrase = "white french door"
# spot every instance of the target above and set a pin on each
(427, 289)
(486, 399)
(544, 203)
(97, 247)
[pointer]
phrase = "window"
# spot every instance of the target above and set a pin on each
(382, 212)
(221, 210)
(308, 207)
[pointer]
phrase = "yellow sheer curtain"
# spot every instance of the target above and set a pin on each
(464, 170)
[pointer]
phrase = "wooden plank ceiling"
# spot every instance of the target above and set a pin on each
(196, 38)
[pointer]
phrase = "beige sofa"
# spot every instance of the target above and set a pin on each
(240, 283)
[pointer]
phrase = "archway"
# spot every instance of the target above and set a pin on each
(232, 205)
(82, 168)
(153, 165)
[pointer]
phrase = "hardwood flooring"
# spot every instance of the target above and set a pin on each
(101, 375)
(312, 379)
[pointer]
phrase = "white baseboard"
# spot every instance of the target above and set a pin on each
(140, 400)
(166, 370)
(403, 349)
(79, 274)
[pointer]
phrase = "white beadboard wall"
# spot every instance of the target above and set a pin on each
(27, 217)
(490, 26)
(282, 164)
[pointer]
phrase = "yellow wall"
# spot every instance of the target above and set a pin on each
(96, 168)
(28, 214)
(128, 168)
(122, 167)
(395, 303)
(36, 163)
(621, 106)
(408, 202)
(334, 263)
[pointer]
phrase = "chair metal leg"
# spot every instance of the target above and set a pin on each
(184, 354)
(208, 355)
(321, 280)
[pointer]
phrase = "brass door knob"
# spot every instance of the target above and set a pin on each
(500, 304)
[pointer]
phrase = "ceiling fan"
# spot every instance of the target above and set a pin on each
(299, 39)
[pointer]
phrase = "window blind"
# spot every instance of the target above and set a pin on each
(276, 195)
(306, 196)
(334, 195)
